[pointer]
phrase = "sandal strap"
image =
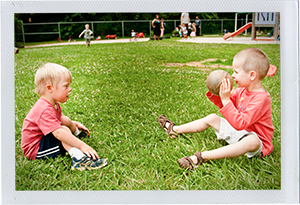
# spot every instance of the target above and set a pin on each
(191, 166)
(170, 130)
(162, 119)
(199, 157)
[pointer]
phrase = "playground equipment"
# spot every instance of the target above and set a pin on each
(140, 35)
(240, 30)
(259, 19)
(111, 36)
(266, 19)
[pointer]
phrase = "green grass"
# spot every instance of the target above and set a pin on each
(118, 91)
(65, 41)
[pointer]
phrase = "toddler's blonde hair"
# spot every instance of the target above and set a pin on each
(50, 73)
(254, 59)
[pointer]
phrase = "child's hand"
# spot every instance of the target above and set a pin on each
(90, 152)
(225, 91)
(82, 127)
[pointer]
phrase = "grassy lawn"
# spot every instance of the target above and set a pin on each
(66, 41)
(118, 91)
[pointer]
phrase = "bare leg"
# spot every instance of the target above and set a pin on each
(65, 121)
(65, 145)
(250, 143)
(200, 125)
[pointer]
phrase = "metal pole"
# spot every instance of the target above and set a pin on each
(235, 25)
(149, 29)
(93, 27)
(174, 24)
(276, 26)
(246, 23)
(253, 31)
(222, 26)
(59, 30)
(123, 29)
(23, 32)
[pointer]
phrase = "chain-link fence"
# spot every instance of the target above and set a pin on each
(38, 32)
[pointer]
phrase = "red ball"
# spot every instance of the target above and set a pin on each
(214, 81)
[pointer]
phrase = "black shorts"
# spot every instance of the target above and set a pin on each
(50, 147)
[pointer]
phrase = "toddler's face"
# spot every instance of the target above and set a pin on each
(241, 77)
(62, 91)
(87, 26)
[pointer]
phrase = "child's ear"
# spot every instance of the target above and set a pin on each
(49, 87)
(253, 75)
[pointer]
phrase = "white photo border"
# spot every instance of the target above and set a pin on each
(289, 60)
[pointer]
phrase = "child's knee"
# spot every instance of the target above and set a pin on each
(65, 128)
(213, 119)
(252, 142)
(213, 116)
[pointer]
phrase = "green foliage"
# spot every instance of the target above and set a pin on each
(18, 30)
(118, 91)
(68, 17)
(175, 32)
(208, 16)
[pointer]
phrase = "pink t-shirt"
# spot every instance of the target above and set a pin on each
(42, 119)
(250, 111)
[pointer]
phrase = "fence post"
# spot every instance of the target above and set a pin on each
(235, 25)
(123, 29)
(149, 29)
(59, 30)
(23, 32)
(246, 23)
(222, 26)
(93, 27)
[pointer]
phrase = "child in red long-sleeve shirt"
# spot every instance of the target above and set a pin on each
(247, 126)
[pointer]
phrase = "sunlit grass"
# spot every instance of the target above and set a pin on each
(118, 91)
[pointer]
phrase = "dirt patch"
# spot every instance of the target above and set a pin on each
(200, 64)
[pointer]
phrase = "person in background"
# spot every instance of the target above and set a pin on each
(162, 27)
(156, 25)
(185, 18)
(133, 35)
(193, 33)
(87, 34)
(185, 31)
(198, 26)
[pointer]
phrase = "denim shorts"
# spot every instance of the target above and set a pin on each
(231, 136)
(50, 147)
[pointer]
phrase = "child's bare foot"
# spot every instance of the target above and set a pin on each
(167, 125)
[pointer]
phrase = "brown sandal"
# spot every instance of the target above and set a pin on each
(187, 162)
(162, 120)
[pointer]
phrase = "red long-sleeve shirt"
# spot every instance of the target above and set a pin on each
(250, 111)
